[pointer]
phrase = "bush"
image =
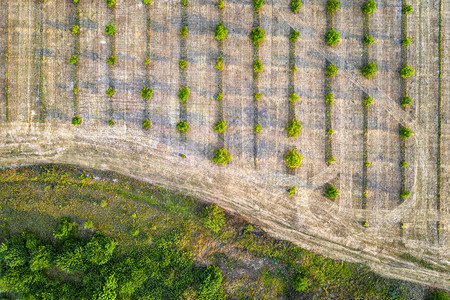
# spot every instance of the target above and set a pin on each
(407, 9)
(75, 29)
(185, 2)
(182, 63)
(257, 96)
(333, 5)
(331, 160)
(146, 92)
(219, 64)
(219, 96)
(330, 131)
(406, 71)
(183, 126)
(147, 62)
(257, 66)
(89, 224)
(300, 283)
(110, 3)
(368, 40)
(293, 37)
(406, 101)
(405, 194)
(110, 122)
(294, 128)
(220, 126)
(213, 218)
(403, 164)
(110, 29)
(71, 259)
(76, 1)
(293, 158)
(367, 163)
(292, 191)
(329, 98)
(221, 156)
(110, 92)
(331, 70)
(405, 132)
(148, 2)
(65, 229)
(99, 249)
(221, 32)
(294, 69)
(406, 41)
(368, 101)
(183, 94)
(293, 98)
(332, 37)
(331, 191)
(258, 4)
(369, 7)
(76, 120)
(296, 5)
(369, 70)
(73, 59)
(146, 124)
(258, 128)
(220, 4)
(111, 60)
(439, 295)
(257, 35)
(184, 32)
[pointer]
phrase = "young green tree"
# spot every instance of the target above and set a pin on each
(41, 258)
(296, 5)
(405, 132)
(221, 32)
(220, 126)
(183, 94)
(406, 101)
(213, 218)
(292, 191)
(300, 283)
(329, 98)
(293, 98)
(294, 128)
(110, 92)
(183, 126)
(331, 191)
(147, 124)
(66, 228)
(257, 66)
(369, 7)
(406, 41)
(219, 64)
(331, 70)
(221, 156)
(368, 40)
(405, 194)
(332, 37)
(257, 4)
(111, 60)
(182, 63)
(368, 101)
(333, 5)
(146, 92)
(406, 71)
(99, 249)
(73, 59)
(407, 9)
(110, 29)
(293, 37)
(110, 3)
(258, 128)
(257, 35)
(75, 29)
(210, 283)
(369, 69)
(220, 4)
(184, 32)
(293, 158)
(76, 120)
(71, 258)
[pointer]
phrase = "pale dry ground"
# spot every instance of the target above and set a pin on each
(308, 219)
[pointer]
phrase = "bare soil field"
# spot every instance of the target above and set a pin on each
(404, 239)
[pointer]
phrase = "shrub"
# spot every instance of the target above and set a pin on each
(296, 5)
(333, 5)
(183, 126)
(300, 283)
(331, 70)
(407, 9)
(110, 122)
(258, 128)
(65, 229)
(258, 4)
(76, 120)
(294, 69)
(406, 41)
(89, 224)
(75, 29)
(111, 60)
(221, 32)
(110, 92)
(146, 124)
(257, 35)
(185, 2)
(405, 194)
(147, 62)
(293, 37)
(257, 66)
(99, 249)
(220, 4)
(220, 126)
(110, 3)
(331, 160)
(184, 32)
(369, 70)
(110, 29)
(367, 163)
(76, 1)
(73, 59)
(293, 158)
(257, 96)
(292, 191)
(219, 64)
(248, 228)
(329, 98)
(75, 90)
(368, 101)
(406, 71)
(146, 92)
(405, 132)
(294, 128)
(332, 37)
(213, 218)
(147, 2)
(293, 98)
(330, 131)
(221, 156)
(183, 94)
(182, 63)
(403, 164)
(368, 40)
(331, 191)
(369, 7)
(406, 101)
(219, 96)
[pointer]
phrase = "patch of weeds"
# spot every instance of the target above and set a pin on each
(183, 64)
(257, 35)
(368, 40)
(220, 126)
(369, 7)
(293, 37)
(219, 63)
(146, 92)
(369, 69)
(331, 70)
(73, 59)
(406, 71)
(221, 32)
(110, 92)
(293, 98)
(296, 5)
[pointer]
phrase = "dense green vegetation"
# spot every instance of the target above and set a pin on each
(183, 126)
(110, 29)
(221, 156)
(331, 191)
(146, 124)
(332, 37)
(333, 5)
(331, 70)
(76, 120)
(296, 5)
(369, 7)
(294, 128)
(293, 158)
(257, 35)
(369, 69)
(221, 32)
(368, 40)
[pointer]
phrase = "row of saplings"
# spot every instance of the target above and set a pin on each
(70, 267)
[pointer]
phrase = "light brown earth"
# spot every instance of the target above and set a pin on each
(308, 219)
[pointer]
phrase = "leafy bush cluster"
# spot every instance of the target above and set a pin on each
(329, 98)
(183, 94)
(164, 270)
(369, 7)
(258, 4)
(76, 120)
(75, 29)
(405, 132)
(258, 128)
(257, 66)
(406, 101)
(183, 126)
(406, 71)
(331, 191)
(110, 92)
(369, 70)
(294, 128)
(405, 194)
(368, 40)
(73, 59)
(257, 35)
(213, 218)
(331, 70)
(219, 63)
(221, 156)
(292, 191)
(407, 9)
(148, 2)
(182, 63)
(220, 126)
(111, 60)
(146, 124)
(146, 92)
(110, 3)
(368, 101)
(293, 98)
(293, 37)
(110, 29)
(333, 5)
(406, 41)
(296, 5)
(332, 37)
(293, 158)
(221, 32)
(184, 32)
